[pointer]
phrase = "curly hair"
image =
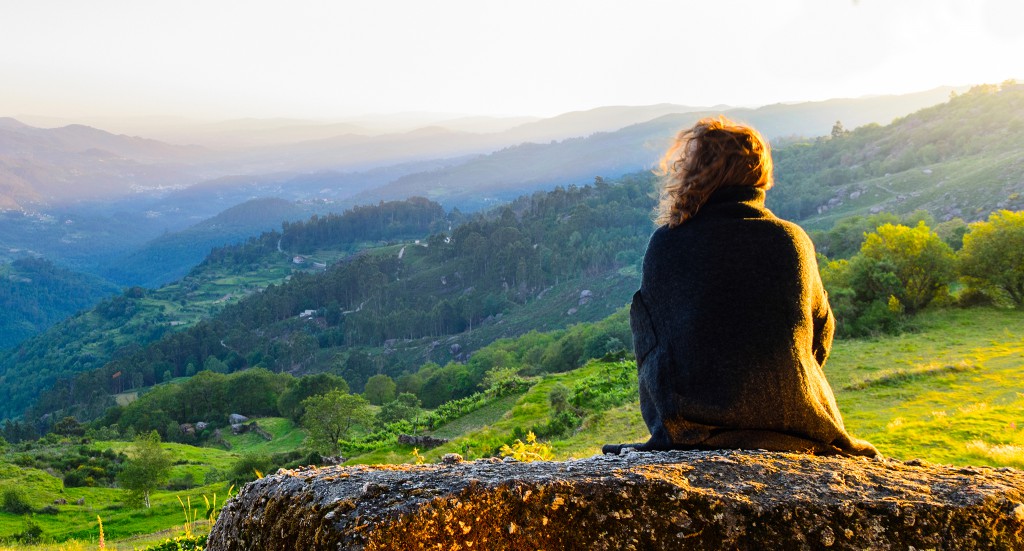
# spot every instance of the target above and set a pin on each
(716, 152)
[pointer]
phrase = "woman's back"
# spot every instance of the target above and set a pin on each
(731, 326)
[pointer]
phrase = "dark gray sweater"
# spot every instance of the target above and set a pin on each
(731, 327)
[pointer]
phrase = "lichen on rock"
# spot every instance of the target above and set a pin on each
(667, 500)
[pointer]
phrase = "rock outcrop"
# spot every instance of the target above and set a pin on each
(424, 441)
(672, 500)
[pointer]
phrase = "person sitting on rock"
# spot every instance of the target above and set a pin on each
(731, 325)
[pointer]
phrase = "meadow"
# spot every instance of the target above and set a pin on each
(946, 391)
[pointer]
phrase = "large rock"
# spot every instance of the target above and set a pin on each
(673, 500)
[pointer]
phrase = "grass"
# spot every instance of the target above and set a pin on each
(477, 420)
(948, 392)
(127, 528)
(133, 543)
(287, 437)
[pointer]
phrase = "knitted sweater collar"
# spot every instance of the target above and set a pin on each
(737, 194)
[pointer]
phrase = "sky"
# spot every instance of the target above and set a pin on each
(329, 60)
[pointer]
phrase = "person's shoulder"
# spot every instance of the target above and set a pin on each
(783, 226)
(793, 233)
(662, 235)
(795, 230)
(666, 241)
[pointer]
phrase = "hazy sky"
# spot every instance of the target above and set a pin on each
(330, 59)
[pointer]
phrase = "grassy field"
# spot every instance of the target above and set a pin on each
(949, 391)
(127, 527)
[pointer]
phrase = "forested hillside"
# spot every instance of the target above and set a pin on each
(35, 294)
(139, 316)
(960, 158)
(411, 296)
(518, 267)
(171, 256)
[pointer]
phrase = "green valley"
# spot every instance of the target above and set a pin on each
(945, 393)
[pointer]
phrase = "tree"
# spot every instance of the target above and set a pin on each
(290, 401)
(148, 466)
(329, 417)
(922, 262)
(69, 426)
(404, 408)
(380, 389)
(993, 254)
(838, 131)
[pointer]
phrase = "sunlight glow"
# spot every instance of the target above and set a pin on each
(321, 59)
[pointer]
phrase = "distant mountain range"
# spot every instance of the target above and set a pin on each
(41, 168)
(504, 174)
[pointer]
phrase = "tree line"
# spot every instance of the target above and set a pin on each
(900, 270)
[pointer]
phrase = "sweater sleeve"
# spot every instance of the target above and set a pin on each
(824, 320)
(644, 337)
(824, 330)
(640, 322)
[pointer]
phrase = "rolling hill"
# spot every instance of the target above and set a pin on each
(36, 294)
(512, 171)
(170, 257)
(957, 159)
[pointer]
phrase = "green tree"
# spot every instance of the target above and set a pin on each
(215, 365)
(993, 255)
(838, 131)
(923, 263)
(290, 401)
(380, 389)
(358, 366)
(329, 417)
(148, 466)
(69, 426)
(404, 408)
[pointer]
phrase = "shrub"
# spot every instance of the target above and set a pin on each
(31, 534)
(531, 450)
(993, 255)
(184, 482)
(13, 500)
(181, 543)
(249, 467)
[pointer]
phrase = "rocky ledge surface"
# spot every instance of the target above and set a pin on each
(671, 500)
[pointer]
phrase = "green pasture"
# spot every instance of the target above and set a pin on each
(949, 391)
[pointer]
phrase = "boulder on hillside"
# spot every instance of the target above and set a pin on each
(236, 419)
(671, 500)
(424, 441)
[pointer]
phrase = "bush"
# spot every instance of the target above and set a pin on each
(249, 467)
(184, 482)
(31, 534)
(14, 501)
(971, 298)
(558, 425)
(614, 387)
